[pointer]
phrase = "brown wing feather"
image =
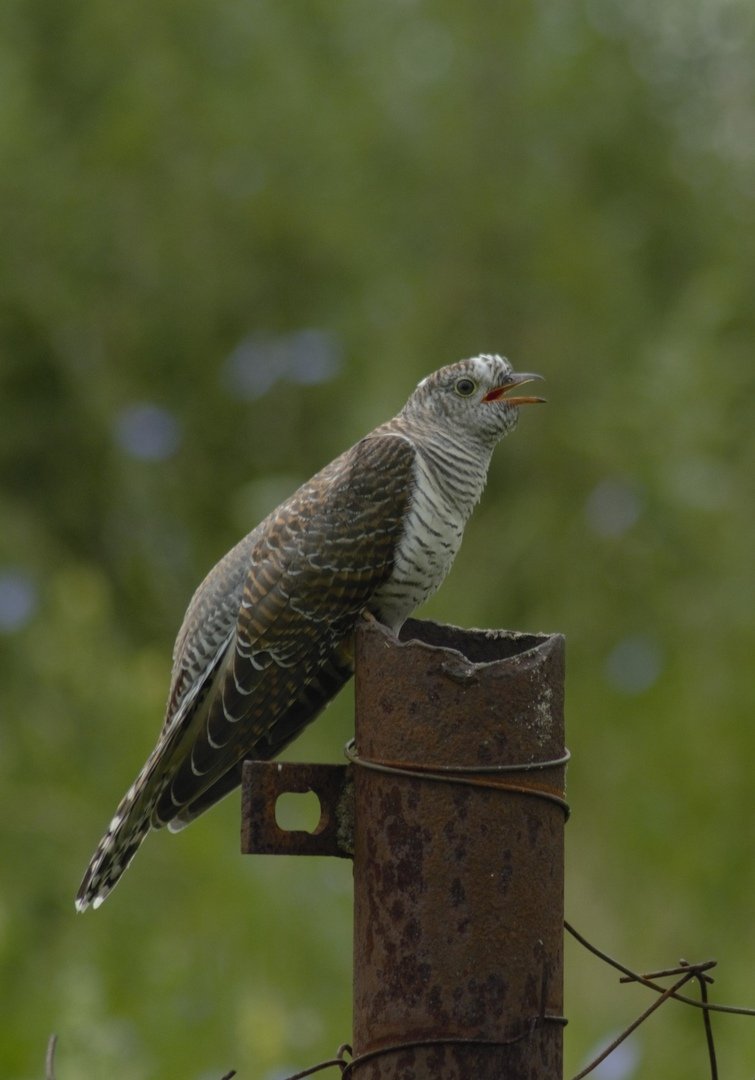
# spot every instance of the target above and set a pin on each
(314, 567)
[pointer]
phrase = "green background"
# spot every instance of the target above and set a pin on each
(234, 236)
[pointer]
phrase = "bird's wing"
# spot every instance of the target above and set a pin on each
(265, 643)
(208, 626)
(313, 567)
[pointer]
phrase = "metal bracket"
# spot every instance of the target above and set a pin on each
(263, 782)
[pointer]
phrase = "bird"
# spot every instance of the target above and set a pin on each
(267, 638)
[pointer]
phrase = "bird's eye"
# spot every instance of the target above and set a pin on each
(465, 387)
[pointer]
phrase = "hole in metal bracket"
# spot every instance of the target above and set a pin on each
(298, 811)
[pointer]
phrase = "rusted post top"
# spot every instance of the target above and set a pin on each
(458, 854)
(523, 672)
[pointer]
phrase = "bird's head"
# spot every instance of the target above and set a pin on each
(474, 395)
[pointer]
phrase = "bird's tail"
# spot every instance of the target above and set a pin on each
(130, 824)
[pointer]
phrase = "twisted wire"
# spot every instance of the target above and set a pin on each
(481, 776)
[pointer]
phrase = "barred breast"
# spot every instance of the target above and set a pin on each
(448, 482)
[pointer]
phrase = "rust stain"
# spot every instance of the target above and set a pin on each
(263, 782)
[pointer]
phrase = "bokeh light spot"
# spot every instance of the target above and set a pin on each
(622, 1064)
(613, 507)
(147, 431)
(307, 357)
(634, 665)
(18, 600)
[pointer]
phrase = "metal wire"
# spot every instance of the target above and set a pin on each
(415, 1044)
(668, 993)
(347, 1067)
(684, 971)
(647, 980)
(470, 775)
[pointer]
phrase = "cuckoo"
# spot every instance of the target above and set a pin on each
(267, 639)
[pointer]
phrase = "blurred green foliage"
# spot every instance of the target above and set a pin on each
(234, 236)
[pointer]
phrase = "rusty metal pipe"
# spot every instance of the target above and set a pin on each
(458, 879)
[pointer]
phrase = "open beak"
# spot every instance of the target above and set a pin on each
(510, 382)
